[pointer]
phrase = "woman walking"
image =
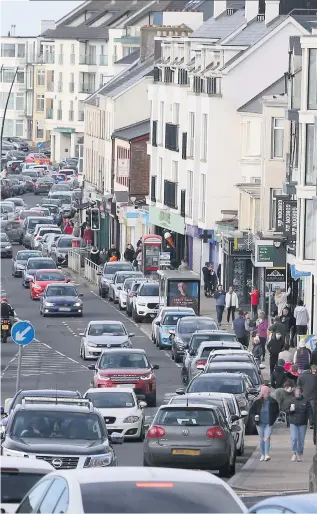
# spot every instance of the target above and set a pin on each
(265, 410)
(300, 412)
(262, 326)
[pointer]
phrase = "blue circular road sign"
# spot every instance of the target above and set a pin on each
(23, 332)
(39, 144)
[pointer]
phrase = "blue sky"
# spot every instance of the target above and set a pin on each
(27, 15)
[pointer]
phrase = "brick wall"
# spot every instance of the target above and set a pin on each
(139, 168)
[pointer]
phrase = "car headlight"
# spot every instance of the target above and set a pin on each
(92, 344)
(13, 453)
(20, 267)
(146, 377)
(49, 304)
(37, 287)
(8, 247)
(98, 461)
(131, 419)
(142, 304)
(105, 379)
(77, 304)
(127, 344)
(28, 276)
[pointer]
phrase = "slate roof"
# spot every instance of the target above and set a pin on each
(254, 32)
(255, 104)
(64, 32)
(307, 21)
(133, 131)
(220, 27)
(129, 59)
(130, 76)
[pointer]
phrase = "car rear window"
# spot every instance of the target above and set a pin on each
(185, 416)
(15, 485)
(49, 264)
(239, 368)
(189, 326)
(157, 497)
(216, 384)
(110, 269)
(121, 278)
(65, 243)
(206, 351)
(49, 275)
(33, 222)
(149, 290)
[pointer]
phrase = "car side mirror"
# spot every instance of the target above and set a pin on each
(92, 367)
(131, 335)
(142, 405)
(252, 391)
(234, 417)
(155, 366)
(80, 295)
(180, 391)
(157, 323)
(116, 438)
(244, 413)
(2, 411)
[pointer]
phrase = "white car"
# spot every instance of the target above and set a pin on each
(47, 242)
(121, 410)
(118, 280)
(42, 231)
(123, 293)
(126, 489)
(100, 335)
(18, 476)
(146, 302)
(160, 316)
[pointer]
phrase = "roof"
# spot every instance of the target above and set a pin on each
(254, 32)
(170, 406)
(81, 32)
(133, 131)
(109, 390)
(27, 465)
(130, 58)
(255, 104)
(220, 27)
(222, 343)
(104, 321)
(307, 21)
(207, 376)
(125, 350)
(121, 197)
(231, 364)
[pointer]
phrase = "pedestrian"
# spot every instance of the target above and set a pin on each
(265, 410)
(279, 375)
(286, 319)
(232, 303)
(255, 300)
(129, 253)
(286, 354)
(250, 326)
(307, 381)
(88, 236)
(183, 265)
(302, 356)
(138, 259)
(274, 347)
(220, 297)
(300, 412)
(262, 326)
(114, 258)
(207, 278)
(257, 350)
(68, 228)
(139, 243)
(113, 252)
(284, 397)
(213, 279)
(239, 327)
(314, 356)
(277, 326)
(103, 257)
(280, 300)
(301, 316)
(94, 255)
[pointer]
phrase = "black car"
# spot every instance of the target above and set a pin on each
(107, 274)
(16, 186)
(5, 246)
(69, 162)
(248, 368)
(61, 299)
(10, 403)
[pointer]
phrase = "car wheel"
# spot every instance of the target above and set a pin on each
(225, 471)
(32, 298)
(145, 464)
(129, 312)
(177, 357)
(172, 355)
(160, 345)
(83, 354)
(23, 283)
(115, 300)
(241, 449)
(120, 306)
(184, 376)
(110, 297)
(135, 317)
(141, 437)
(101, 293)
(151, 400)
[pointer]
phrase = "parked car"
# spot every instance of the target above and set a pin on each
(132, 293)
(107, 274)
(46, 243)
(40, 231)
(292, 504)
(29, 225)
(146, 302)
(13, 230)
(166, 326)
(59, 249)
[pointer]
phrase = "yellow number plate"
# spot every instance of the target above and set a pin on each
(5, 327)
(186, 452)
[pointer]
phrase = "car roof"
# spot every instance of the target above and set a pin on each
(170, 406)
(297, 503)
(124, 272)
(206, 376)
(104, 322)
(232, 364)
(124, 350)
(49, 392)
(202, 332)
(41, 259)
(110, 390)
(48, 270)
(54, 407)
(25, 465)
(205, 344)
(177, 309)
(206, 394)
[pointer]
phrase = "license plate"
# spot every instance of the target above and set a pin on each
(186, 452)
(126, 385)
(5, 327)
(64, 309)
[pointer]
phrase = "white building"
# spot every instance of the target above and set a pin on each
(200, 84)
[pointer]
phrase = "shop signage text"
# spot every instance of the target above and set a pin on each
(273, 275)
(286, 217)
(265, 253)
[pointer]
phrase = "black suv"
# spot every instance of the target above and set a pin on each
(68, 433)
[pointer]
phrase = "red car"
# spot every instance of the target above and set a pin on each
(124, 367)
(42, 278)
(37, 158)
(24, 214)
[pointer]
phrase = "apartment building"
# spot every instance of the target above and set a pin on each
(39, 90)
(200, 83)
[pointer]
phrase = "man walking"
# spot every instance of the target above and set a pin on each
(239, 327)
(232, 303)
(220, 297)
(302, 318)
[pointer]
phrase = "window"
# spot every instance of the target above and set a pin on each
(39, 131)
(8, 50)
(175, 171)
(310, 170)
(10, 102)
(277, 151)
(7, 75)
(40, 103)
(34, 497)
(190, 185)
(161, 124)
(41, 78)
(310, 231)
(176, 114)
(115, 57)
(273, 194)
(21, 50)
(52, 496)
(159, 180)
(203, 197)
(204, 131)
(191, 134)
(19, 128)
(8, 128)
(312, 79)
(19, 101)
(20, 77)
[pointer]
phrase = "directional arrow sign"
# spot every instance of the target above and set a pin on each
(22, 332)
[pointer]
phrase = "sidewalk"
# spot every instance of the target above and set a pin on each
(279, 474)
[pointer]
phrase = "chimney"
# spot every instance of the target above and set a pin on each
(12, 31)
(220, 6)
(251, 9)
(272, 10)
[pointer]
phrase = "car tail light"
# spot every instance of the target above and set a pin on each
(201, 363)
(156, 432)
(215, 433)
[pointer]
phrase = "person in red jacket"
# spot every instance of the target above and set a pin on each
(69, 228)
(255, 300)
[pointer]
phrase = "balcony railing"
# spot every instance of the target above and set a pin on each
(213, 86)
(170, 194)
(60, 87)
(71, 87)
(49, 114)
(81, 116)
(182, 77)
(72, 58)
(87, 59)
(169, 76)
(71, 115)
(153, 189)
(103, 60)
(154, 133)
(157, 74)
(50, 86)
(49, 58)
(171, 137)
(87, 88)
(60, 59)
(59, 114)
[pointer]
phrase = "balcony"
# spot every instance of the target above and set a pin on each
(154, 133)
(59, 114)
(87, 88)
(157, 74)
(182, 77)
(169, 76)
(50, 86)
(171, 137)
(213, 86)
(103, 60)
(60, 87)
(49, 58)
(60, 59)
(81, 116)
(71, 87)
(170, 194)
(49, 114)
(71, 115)
(153, 189)
(87, 59)
(72, 58)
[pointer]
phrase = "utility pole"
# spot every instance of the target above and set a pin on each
(5, 109)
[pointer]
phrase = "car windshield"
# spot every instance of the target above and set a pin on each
(6, 207)
(4, 238)
(113, 400)
(33, 222)
(41, 264)
(62, 198)
(114, 329)
(61, 187)
(61, 291)
(24, 214)
(15, 484)
(56, 425)
(238, 368)
(24, 256)
(197, 339)
(111, 269)
(128, 284)
(188, 326)
(51, 208)
(44, 231)
(230, 358)
(185, 416)
(50, 275)
(200, 400)
(33, 174)
(206, 352)
(151, 497)
(65, 242)
(123, 360)
(172, 319)
(121, 278)
(149, 290)
(216, 384)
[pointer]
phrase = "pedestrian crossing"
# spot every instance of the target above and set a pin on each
(41, 359)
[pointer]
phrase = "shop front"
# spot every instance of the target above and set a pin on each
(237, 267)
(201, 248)
(165, 221)
(102, 236)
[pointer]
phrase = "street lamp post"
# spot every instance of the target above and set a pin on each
(6, 108)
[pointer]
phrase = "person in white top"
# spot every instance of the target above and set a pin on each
(232, 303)
(280, 299)
(301, 316)
(286, 355)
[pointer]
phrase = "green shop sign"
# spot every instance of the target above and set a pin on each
(166, 219)
(265, 253)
